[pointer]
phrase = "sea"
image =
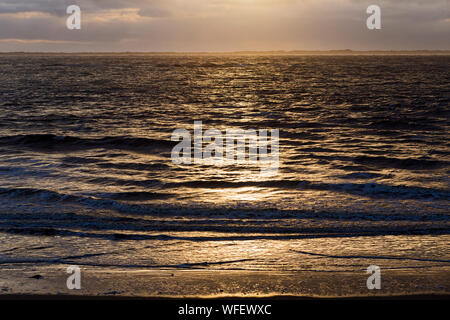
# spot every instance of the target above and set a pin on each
(86, 175)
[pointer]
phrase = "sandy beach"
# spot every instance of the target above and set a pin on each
(167, 284)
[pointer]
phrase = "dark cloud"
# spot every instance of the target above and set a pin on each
(58, 7)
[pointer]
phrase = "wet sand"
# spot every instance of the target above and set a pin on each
(97, 283)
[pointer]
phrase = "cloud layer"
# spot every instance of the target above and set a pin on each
(222, 25)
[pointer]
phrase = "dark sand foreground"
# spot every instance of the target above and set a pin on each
(96, 283)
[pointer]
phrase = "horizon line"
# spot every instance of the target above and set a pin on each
(340, 51)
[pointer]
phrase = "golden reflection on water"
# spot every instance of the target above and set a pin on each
(240, 194)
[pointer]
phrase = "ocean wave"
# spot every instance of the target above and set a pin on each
(408, 163)
(50, 142)
(105, 201)
(125, 203)
(46, 195)
(227, 232)
(159, 190)
(134, 166)
(365, 189)
(136, 196)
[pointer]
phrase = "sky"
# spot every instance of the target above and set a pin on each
(223, 25)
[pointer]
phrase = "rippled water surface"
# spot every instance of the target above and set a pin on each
(85, 144)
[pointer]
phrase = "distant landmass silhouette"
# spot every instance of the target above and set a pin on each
(273, 52)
